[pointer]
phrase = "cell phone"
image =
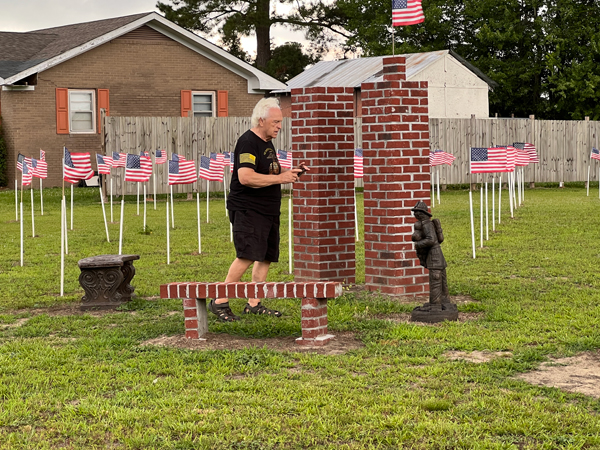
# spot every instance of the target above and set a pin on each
(303, 170)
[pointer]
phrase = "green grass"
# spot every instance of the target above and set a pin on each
(85, 382)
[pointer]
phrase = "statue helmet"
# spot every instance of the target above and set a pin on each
(421, 207)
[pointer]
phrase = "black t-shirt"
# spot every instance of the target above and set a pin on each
(251, 151)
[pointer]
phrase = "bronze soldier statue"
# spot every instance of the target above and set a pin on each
(428, 236)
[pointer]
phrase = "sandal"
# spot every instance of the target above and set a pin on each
(260, 309)
(222, 311)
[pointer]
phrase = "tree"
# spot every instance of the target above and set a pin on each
(232, 19)
(288, 60)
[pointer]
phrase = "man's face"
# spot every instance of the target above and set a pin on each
(272, 124)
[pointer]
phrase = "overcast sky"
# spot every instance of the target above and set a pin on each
(29, 15)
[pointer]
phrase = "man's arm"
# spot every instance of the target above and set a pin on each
(248, 177)
(428, 237)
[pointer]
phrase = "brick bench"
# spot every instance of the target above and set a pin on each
(314, 298)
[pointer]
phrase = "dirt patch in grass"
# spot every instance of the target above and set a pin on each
(476, 356)
(577, 374)
(342, 343)
(405, 318)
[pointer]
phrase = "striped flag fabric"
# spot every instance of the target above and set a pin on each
(103, 165)
(119, 159)
(285, 159)
(438, 157)
(358, 163)
(227, 160)
(407, 12)
(20, 161)
(138, 168)
(27, 175)
(160, 157)
(529, 149)
(488, 160)
(42, 155)
(208, 171)
(143, 153)
(595, 153)
(39, 168)
(77, 166)
(181, 171)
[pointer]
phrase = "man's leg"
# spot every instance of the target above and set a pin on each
(236, 270)
(259, 275)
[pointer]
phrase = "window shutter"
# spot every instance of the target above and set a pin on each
(186, 103)
(62, 111)
(222, 104)
(103, 103)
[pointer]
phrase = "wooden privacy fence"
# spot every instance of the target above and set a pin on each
(563, 146)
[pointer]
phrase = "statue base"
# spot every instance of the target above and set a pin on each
(434, 313)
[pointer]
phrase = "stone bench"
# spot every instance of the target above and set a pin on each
(105, 280)
(314, 298)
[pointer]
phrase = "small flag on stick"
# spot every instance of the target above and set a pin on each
(595, 153)
(138, 168)
(181, 171)
(103, 165)
(161, 157)
(77, 166)
(488, 160)
(358, 163)
(285, 159)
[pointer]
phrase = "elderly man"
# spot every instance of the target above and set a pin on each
(254, 204)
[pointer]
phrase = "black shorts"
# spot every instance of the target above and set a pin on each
(255, 236)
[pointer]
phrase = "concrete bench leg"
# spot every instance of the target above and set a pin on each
(314, 322)
(196, 317)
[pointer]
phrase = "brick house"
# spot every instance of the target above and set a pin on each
(55, 81)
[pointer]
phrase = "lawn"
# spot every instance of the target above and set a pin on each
(86, 381)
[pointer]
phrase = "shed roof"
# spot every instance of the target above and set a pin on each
(23, 54)
(353, 72)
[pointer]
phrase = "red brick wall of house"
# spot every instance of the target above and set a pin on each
(144, 78)
(396, 175)
(323, 137)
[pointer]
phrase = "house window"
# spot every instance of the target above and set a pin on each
(203, 104)
(82, 113)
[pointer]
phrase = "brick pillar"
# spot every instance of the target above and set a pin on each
(396, 175)
(314, 322)
(323, 137)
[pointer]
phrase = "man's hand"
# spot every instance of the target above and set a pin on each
(290, 176)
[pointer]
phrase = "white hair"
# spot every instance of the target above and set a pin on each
(262, 108)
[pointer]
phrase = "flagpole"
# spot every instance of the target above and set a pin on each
(493, 203)
(510, 193)
(207, 198)
(481, 212)
(499, 198)
(144, 207)
(64, 199)
(41, 197)
(71, 207)
(432, 176)
(172, 209)
(154, 180)
(62, 245)
(290, 206)
(168, 236)
(122, 218)
(471, 211)
(438, 184)
(21, 217)
(32, 212)
(138, 199)
(16, 200)
(66, 229)
(356, 215)
(104, 213)
(225, 193)
(487, 222)
(393, 40)
(111, 197)
(523, 183)
(198, 214)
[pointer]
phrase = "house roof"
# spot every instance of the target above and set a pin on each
(353, 72)
(23, 54)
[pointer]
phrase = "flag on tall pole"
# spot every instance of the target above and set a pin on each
(77, 166)
(358, 163)
(208, 169)
(119, 159)
(438, 157)
(40, 168)
(161, 157)
(103, 164)
(138, 168)
(407, 12)
(27, 175)
(595, 153)
(181, 171)
(529, 149)
(20, 160)
(488, 160)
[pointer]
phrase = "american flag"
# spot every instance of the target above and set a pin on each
(27, 174)
(103, 166)
(138, 168)
(285, 159)
(77, 166)
(529, 149)
(227, 160)
(39, 169)
(438, 157)
(143, 153)
(42, 155)
(119, 159)
(181, 171)
(20, 161)
(161, 157)
(208, 169)
(407, 12)
(488, 160)
(220, 159)
(358, 163)
(595, 153)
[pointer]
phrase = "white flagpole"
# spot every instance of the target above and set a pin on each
(291, 257)
(481, 213)
(514, 182)
(198, 214)
(472, 221)
(121, 224)
(144, 207)
(21, 224)
(138, 199)
(493, 203)
(356, 216)
(438, 184)
(487, 222)
(520, 180)
(168, 236)
(32, 214)
(510, 192)
(523, 183)
(111, 199)
(71, 207)
(432, 173)
(207, 198)
(62, 247)
(66, 227)
(225, 193)
(16, 200)
(588, 183)
(499, 198)
(104, 213)
(41, 197)
(172, 209)
(154, 180)
(598, 181)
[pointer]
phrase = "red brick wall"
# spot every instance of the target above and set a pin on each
(396, 175)
(323, 137)
(144, 78)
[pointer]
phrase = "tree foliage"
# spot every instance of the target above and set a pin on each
(544, 54)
